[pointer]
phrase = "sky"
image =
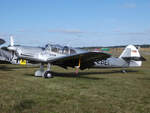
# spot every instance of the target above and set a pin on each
(76, 23)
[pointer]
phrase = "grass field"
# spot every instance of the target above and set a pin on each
(92, 91)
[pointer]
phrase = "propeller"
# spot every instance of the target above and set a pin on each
(11, 47)
(11, 41)
(2, 41)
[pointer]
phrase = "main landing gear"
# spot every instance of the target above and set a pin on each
(123, 71)
(42, 73)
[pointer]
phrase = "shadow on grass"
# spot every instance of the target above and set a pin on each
(145, 79)
(69, 75)
(83, 74)
(8, 68)
(22, 105)
(5, 68)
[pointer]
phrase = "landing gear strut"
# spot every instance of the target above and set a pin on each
(42, 73)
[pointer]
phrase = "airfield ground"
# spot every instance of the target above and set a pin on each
(92, 91)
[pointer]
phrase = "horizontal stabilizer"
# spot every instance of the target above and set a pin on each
(141, 58)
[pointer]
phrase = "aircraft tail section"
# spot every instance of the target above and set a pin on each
(132, 56)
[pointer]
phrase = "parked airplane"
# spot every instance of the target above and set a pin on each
(65, 56)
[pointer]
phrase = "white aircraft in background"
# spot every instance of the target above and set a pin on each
(65, 56)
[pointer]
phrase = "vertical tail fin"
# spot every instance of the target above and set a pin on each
(130, 51)
(132, 56)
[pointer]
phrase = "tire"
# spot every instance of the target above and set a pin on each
(38, 73)
(48, 74)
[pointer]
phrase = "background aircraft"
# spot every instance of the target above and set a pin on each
(64, 56)
(2, 41)
(5, 55)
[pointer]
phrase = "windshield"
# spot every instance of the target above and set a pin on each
(60, 49)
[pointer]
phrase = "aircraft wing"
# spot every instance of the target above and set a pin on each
(85, 59)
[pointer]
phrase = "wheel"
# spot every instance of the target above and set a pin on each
(123, 71)
(48, 74)
(38, 73)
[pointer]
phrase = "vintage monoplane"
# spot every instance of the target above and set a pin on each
(64, 56)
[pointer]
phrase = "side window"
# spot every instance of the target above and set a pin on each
(72, 51)
(54, 49)
(66, 50)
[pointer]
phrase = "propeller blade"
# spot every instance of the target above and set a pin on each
(11, 41)
(11, 47)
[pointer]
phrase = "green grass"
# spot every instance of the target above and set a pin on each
(92, 91)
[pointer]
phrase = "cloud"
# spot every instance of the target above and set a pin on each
(130, 5)
(135, 33)
(148, 30)
(117, 30)
(66, 31)
(1, 36)
(25, 30)
(4, 35)
(21, 30)
(131, 33)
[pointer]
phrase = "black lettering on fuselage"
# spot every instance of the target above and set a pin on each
(103, 62)
(52, 54)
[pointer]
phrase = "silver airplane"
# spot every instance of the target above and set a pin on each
(64, 56)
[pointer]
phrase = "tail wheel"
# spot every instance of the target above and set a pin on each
(48, 74)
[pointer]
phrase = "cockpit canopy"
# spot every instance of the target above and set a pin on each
(59, 49)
